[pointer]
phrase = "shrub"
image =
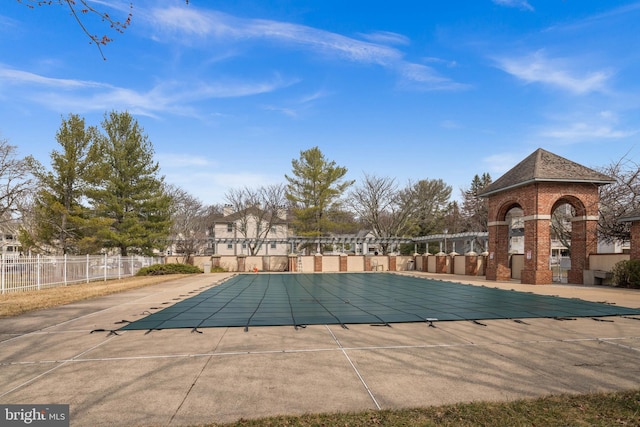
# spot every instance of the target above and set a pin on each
(218, 269)
(626, 274)
(160, 269)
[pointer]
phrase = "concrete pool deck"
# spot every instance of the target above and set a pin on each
(178, 377)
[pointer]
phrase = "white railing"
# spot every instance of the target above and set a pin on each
(30, 273)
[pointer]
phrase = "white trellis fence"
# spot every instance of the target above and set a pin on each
(29, 273)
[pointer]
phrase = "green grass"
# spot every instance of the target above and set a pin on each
(592, 410)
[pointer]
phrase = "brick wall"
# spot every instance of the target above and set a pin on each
(635, 240)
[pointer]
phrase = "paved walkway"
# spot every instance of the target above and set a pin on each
(176, 377)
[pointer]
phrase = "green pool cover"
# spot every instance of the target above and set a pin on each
(349, 298)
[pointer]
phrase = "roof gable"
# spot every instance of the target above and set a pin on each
(544, 166)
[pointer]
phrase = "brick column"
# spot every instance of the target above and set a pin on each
(367, 263)
(498, 260)
(215, 261)
(393, 263)
(242, 260)
(471, 264)
(343, 262)
(293, 263)
(317, 263)
(425, 262)
(537, 250)
(441, 263)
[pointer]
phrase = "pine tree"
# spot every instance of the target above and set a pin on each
(127, 190)
(475, 209)
(62, 223)
(315, 188)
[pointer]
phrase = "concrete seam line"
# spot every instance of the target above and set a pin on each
(610, 341)
(19, 386)
(364, 383)
(195, 380)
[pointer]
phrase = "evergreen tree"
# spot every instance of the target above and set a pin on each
(127, 190)
(61, 222)
(314, 189)
(430, 199)
(475, 209)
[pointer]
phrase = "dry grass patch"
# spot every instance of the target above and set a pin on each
(15, 303)
(588, 410)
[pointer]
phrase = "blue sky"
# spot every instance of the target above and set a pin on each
(230, 92)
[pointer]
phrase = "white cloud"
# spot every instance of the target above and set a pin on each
(520, 4)
(422, 74)
(190, 22)
(314, 96)
(448, 63)
(583, 131)
(386, 37)
(284, 110)
(181, 160)
(8, 24)
(175, 97)
(558, 72)
(10, 76)
(192, 25)
(583, 127)
(501, 163)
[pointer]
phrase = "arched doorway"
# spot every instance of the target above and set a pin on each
(539, 185)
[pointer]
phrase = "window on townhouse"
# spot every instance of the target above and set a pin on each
(273, 245)
(230, 227)
(229, 245)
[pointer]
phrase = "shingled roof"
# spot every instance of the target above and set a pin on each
(543, 166)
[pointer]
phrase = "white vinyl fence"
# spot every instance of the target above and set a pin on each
(30, 273)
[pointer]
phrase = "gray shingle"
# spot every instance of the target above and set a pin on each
(543, 166)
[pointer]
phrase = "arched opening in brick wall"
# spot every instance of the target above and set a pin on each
(540, 185)
(507, 239)
(563, 216)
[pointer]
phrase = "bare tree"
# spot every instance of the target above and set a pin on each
(189, 228)
(561, 224)
(619, 198)
(256, 212)
(392, 211)
(79, 9)
(16, 183)
(380, 204)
